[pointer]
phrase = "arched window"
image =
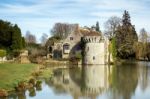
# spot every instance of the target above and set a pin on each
(93, 57)
(66, 46)
(50, 49)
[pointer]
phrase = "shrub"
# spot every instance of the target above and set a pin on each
(16, 53)
(2, 53)
(114, 50)
(78, 55)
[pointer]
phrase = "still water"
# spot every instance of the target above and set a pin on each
(127, 81)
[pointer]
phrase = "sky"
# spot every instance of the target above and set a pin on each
(39, 16)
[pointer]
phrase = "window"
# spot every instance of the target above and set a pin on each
(66, 47)
(87, 48)
(93, 57)
(71, 38)
(50, 49)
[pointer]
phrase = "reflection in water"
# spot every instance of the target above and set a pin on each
(129, 81)
(22, 95)
(124, 81)
(144, 76)
(18, 95)
(86, 81)
(38, 87)
(95, 79)
(32, 92)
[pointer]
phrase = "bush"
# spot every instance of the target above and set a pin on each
(2, 53)
(16, 53)
(78, 55)
(114, 50)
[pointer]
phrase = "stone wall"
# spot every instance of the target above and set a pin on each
(23, 58)
(94, 53)
(73, 40)
(3, 59)
(94, 50)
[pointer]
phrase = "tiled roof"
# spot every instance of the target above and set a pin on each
(84, 31)
(87, 32)
(93, 33)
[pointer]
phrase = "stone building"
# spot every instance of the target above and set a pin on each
(87, 44)
(94, 49)
(68, 47)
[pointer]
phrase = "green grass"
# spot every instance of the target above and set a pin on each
(46, 73)
(12, 73)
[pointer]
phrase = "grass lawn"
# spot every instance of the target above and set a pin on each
(11, 74)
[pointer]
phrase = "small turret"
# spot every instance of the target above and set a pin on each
(94, 49)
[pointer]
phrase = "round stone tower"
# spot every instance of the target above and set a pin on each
(94, 49)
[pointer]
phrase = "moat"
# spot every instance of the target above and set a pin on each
(127, 81)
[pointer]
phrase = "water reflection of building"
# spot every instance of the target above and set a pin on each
(95, 79)
(90, 81)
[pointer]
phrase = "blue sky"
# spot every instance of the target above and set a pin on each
(38, 16)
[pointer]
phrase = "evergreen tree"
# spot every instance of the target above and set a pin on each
(16, 38)
(5, 34)
(97, 27)
(23, 42)
(10, 36)
(126, 36)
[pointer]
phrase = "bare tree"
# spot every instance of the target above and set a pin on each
(44, 38)
(111, 26)
(143, 46)
(143, 37)
(62, 30)
(30, 38)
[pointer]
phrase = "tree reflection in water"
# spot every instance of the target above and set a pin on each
(94, 80)
(124, 81)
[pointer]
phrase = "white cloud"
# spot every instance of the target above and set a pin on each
(40, 15)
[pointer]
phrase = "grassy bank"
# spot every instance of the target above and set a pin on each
(12, 74)
(46, 73)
